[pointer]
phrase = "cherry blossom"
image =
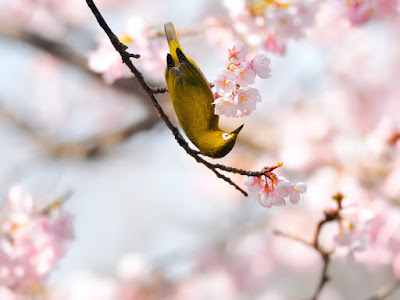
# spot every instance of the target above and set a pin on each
(225, 106)
(31, 242)
(107, 61)
(213, 284)
(284, 189)
(273, 190)
(237, 52)
(359, 229)
(386, 6)
(396, 265)
(225, 82)
(134, 267)
(246, 99)
(261, 65)
(282, 23)
(271, 24)
(141, 40)
(234, 96)
(338, 149)
(268, 198)
(361, 11)
(305, 13)
(273, 46)
(245, 74)
(254, 184)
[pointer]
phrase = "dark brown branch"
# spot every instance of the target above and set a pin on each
(83, 148)
(68, 55)
(326, 259)
(121, 48)
(158, 90)
(54, 48)
(332, 215)
(94, 146)
(325, 256)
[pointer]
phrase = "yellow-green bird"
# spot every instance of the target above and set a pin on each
(192, 99)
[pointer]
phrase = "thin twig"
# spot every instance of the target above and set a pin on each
(158, 90)
(325, 256)
(292, 237)
(387, 290)
(121, 48)
(58, 202)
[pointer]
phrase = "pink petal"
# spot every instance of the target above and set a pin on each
(261, 65)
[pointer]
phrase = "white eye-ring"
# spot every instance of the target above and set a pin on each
(226, 136)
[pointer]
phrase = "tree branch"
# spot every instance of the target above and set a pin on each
(68, 55)
(121, 49)
(331, 215)
(83, 148)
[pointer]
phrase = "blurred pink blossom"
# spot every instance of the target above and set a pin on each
(282, 22)
(396, 265)
(261, 65)
(214, 284)
(361, 11)
(107, 61)
(305, 13)
(31, 242)
(140, 39)
(273, 46)
(134, 268)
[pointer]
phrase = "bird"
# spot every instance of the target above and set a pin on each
(192, 100)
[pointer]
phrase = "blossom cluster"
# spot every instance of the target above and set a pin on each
(361, 11)
(234, 96)
(140, 39)
(358, 228)
(272, 190)
(32, 241)
(285, 21)
(269, 25)
(369, 234)
(33, 16)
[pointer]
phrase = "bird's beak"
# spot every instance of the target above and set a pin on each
(237, 130)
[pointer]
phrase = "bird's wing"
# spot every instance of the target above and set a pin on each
(191, 93)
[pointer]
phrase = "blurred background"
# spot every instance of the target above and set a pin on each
(151, 223)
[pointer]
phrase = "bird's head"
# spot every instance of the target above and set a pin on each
(221, 142)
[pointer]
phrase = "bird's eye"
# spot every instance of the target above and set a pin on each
(226, 136)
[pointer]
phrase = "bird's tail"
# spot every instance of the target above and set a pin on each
(172, 39)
